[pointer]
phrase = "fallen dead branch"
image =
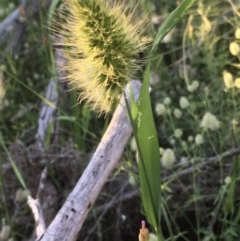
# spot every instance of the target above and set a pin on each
(73, 213)
(12, 27)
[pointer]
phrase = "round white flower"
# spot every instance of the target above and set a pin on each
(160, 109)
(199, 139)
(192, 87)
(167, 101)
(210, 121)
(190, 138)
(228, 79)
(168, 158)
(237, 82)
(177, 113)
(172, 141)
(227, 180)
(21, 195)
(133, 144)
(36, 76)
(234, 48)
(237, 33)
(178, 133)
(183, 102)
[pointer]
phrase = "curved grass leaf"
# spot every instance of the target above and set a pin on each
(14, 167)
(171, 21)
(146, 134)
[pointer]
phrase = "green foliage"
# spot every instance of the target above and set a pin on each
(196, 73)
(146, 134)
(14, 166)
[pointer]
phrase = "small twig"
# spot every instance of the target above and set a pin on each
(49, 106)
(42, 181)
(36, 207)
(38, 216)
(47, 112)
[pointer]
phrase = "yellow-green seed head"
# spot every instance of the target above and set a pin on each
(103, 43)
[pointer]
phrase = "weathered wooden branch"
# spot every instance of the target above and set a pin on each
(38, 215)
(49, 106)
(12, 27)
(73, 213)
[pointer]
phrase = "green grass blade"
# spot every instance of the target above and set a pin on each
(171, 21)
(149, 165)
(146, 134)
(14, 167)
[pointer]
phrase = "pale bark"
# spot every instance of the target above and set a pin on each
(12, 27)
(70, 218)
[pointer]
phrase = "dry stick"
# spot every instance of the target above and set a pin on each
(47, 113)
(49, 107)
(204, 162)
(12, 27)
(73, 213)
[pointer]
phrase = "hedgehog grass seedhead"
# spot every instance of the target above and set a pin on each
(104, 42)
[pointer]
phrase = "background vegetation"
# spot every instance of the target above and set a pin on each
(195, 95)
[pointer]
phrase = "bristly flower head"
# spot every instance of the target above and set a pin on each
(104, 42)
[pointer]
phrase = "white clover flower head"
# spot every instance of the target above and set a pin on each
(177, 113)
(133, 144)
(21, 195)
(172, 141)
(167, 101)
(199, 139)
(237, 33)
(192, 87)
(234, 48)
(184, 103)
(237, 83)
(190, 138)
(36, 76)
(195, 84)
(228, 79)
(210, 121)
(227, 180)
(178, 133)
(168, 158)
(160, 109)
